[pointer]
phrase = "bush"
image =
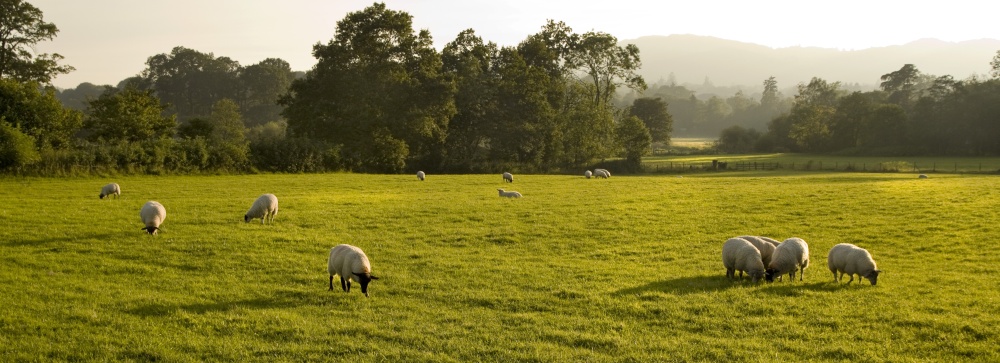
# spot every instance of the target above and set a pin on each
(17, 149)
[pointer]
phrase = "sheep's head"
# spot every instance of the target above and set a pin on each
(101, 196)
(150, 230)
(364, 279)
(769, 274)
(873, 276)
(246, 218)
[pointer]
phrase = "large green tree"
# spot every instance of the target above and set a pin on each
(227, 141)
(469, 62)
(130, 114)
(633, 137)
(21, 27)
(377, 83)
(37, 112)
(191, 81)
(653, 112)
(606, 64)
(260, 87)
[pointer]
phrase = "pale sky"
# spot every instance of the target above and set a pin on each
(110, 40)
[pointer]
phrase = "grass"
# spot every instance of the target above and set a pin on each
(839, 163)
(622, 269)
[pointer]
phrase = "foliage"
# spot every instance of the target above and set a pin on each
(229, 147)
(654, 114)
(21, 27)
(130, 114)
(16, 148)
(633, 137)
(737, 140)
(36, 112)
(602, 276)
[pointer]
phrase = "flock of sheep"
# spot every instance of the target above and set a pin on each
(763, 257)
(757, 256)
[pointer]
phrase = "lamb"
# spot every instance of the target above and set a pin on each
(510, 194)
(588, 174)
(152, 215)
(350, 263)
(265, 208)
(789, 256)
(109, 190)
(508, 177)
(740, 255)
(766, 248)
(421, 175)
(851, 259)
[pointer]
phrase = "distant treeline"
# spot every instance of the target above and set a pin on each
(381, 99)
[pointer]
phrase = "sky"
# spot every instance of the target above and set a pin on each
(110, 40)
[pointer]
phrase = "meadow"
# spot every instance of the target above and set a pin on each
(611, 270)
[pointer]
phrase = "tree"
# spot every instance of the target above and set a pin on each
(227, 140)
(737, 140)
(633, 137)
(260, 87)
(653, 113)
(21, 27)
(376, 81)
(37, 112)
(995, 66)
(16, 148)
(901, 85)
(469, 62)
(190, 81)
(606, 64)
(130, 115)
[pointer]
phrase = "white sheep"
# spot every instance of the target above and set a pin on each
(265, 208)
(421, 176)
(922, 176)
(510, 194)
(602, 173)
(789, 256)
(109, 190)
(588, 174)
(851, 259)
(508, 177)
(350, 263)
(740, 255)
(766, 248)
(152, 215)
(607, 174)
(770, 240)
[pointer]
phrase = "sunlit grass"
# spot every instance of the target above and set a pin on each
(622, 269)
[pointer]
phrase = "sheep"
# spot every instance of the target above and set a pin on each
(265, 208)
(922, 176)
(421, 175)
(510, 194)
(766, 248)
(588, 174)
(350, 263)
(851, 259)
(109, 190)
(508, 177)
(789, 256)
(740, 255)
(602, 173)
(152, 215)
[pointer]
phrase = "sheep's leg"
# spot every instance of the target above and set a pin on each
(730, 273)
(344, 284)
(791, 276)
(835, 279)
(741, 274)
(851, 280)
(802, 273)
(331, 283)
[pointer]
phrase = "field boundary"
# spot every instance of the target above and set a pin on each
(846, 166)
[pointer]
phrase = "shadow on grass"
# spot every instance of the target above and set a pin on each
(281, 300)
(49, 240)
(701, 284)
(686, 285)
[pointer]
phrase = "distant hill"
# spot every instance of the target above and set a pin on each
(692, 58)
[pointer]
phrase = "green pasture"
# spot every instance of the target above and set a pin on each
(811, 162)
(610, 270)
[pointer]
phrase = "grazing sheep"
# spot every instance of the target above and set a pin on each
(602, 173)
(851, 259)
(265, 208)
(766, 248)
(152, 215)
(789, 256)
(350, 263)
(508, 177)
(109, 190)
(740, 255)
(421, 175)
(922, 176)
(588, 174)
(510, 194)
(770, 240)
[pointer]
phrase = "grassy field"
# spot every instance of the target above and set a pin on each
(794, 161)
(622, 269)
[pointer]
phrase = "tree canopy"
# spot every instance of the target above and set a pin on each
(21, 27)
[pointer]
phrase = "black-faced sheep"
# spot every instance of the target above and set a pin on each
(265, 208)
(845, 258)
(740, 255)
(790, 256)
(152, 215)
(350, 263)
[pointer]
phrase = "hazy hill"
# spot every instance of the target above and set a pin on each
(692, 58)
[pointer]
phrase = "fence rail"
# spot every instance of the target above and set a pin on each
(887, 166)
